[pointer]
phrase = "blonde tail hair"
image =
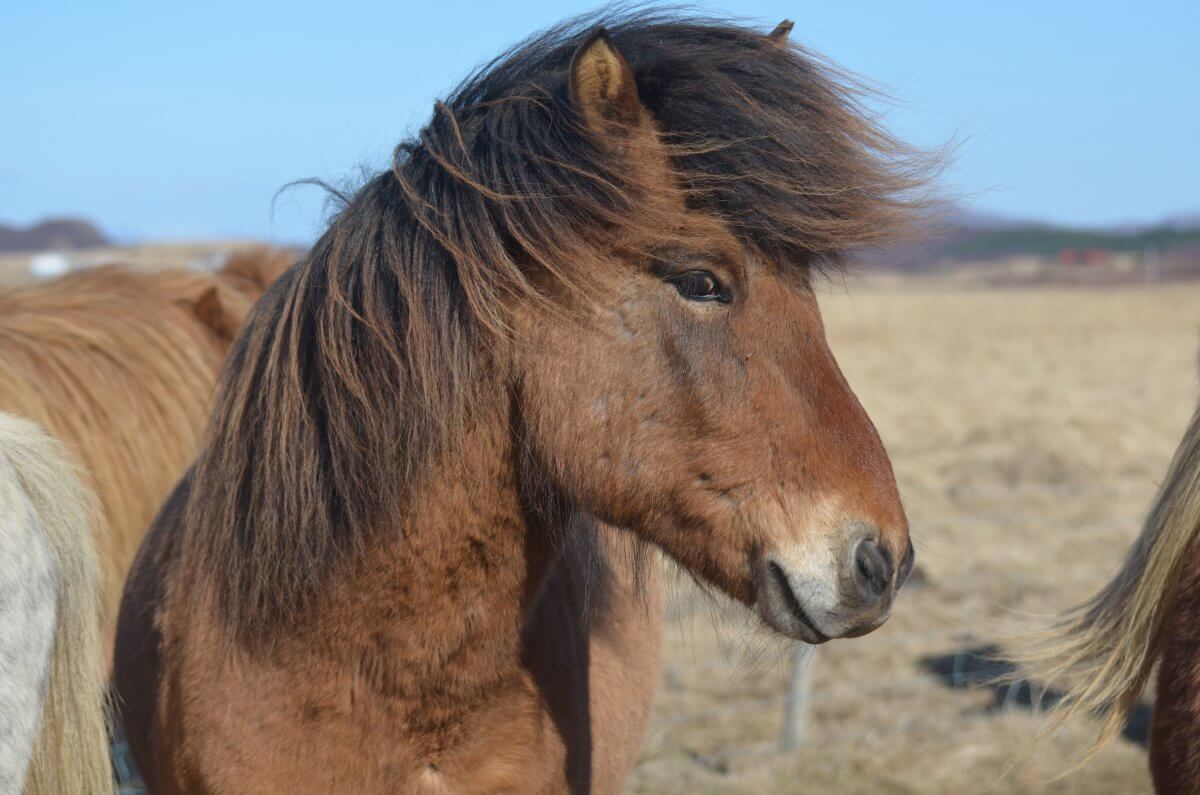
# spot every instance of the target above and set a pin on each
(1110, 643)
(71, 751)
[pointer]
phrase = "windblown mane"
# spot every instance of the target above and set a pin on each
(358, 368)
(121, 366)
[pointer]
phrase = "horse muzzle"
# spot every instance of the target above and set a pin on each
(818, 597)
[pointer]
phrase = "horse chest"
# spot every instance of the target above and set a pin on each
(331, 736)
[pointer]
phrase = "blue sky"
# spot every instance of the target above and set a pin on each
(182, 120)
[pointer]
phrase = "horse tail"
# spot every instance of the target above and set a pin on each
(1110, 643)
(71, 750)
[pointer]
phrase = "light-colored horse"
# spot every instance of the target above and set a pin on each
(53, 728)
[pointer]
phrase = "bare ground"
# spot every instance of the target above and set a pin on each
(1028, 428)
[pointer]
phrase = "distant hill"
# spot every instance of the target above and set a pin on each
(1050, 240)
(962, 236)
(53, 233)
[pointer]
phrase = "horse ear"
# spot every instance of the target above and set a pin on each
(781, 32)
(601, 84)
(210, 310)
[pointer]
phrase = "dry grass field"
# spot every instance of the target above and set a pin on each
(1028, 428)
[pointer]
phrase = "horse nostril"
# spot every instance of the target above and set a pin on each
(872, 571)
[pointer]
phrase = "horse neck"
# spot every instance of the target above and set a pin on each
(435, 605)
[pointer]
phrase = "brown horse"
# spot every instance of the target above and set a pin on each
(121, 366)
(1149, 611)
(583, 291)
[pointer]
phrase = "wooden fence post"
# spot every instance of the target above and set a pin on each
(799, 697)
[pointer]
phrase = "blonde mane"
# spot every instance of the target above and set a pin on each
(70, 754)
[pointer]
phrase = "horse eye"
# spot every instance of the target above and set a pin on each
(700, 286)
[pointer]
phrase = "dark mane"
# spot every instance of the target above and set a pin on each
(358, 366)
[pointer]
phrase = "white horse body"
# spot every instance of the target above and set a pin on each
(28, 601)
(53, 730)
